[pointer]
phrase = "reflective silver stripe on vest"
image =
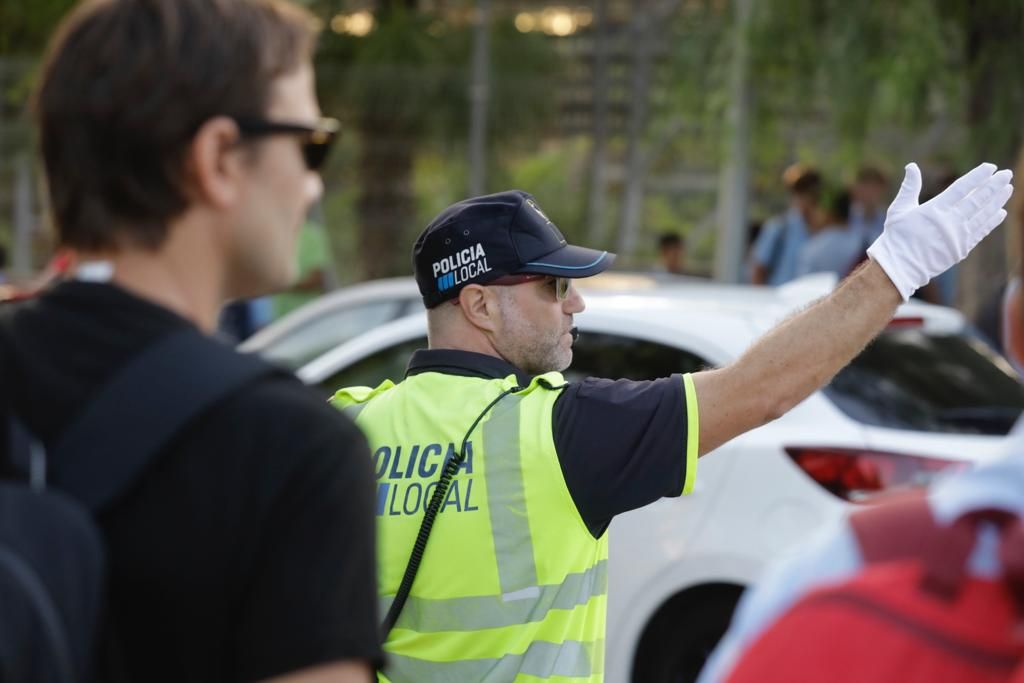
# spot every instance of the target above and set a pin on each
(426, 615)
(506, 499)
(541, 659)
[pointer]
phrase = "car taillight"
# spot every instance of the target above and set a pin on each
(905, 322)
(857, 475)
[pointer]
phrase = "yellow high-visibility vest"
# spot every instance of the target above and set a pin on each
(513, 586)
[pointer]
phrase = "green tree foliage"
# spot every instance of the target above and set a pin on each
(910, 66)
(900, 63)
(404, 88)
(25, 28)
(384, 94)
(26, 25)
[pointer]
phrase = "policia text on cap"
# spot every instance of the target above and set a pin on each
(527, 470)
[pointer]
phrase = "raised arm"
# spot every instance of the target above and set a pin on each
(803, 353)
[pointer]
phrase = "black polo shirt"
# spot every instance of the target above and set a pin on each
(621, 443)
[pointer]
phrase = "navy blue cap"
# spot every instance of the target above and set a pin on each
(481, 239)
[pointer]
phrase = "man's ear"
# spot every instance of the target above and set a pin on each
(480, 306)
(214, 163)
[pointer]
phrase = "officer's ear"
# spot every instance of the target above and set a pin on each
(481, 307)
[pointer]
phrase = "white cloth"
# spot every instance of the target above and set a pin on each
(921, 241)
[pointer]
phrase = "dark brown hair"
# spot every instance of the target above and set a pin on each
(871, 174)
(125, 87)
(808, 184)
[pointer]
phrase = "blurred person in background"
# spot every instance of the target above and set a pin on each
(181, 141)
(671, 257)
(776, 252)
(835, 248)
(867, 208)
(754, 228)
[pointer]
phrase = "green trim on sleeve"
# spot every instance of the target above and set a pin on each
(692, 433)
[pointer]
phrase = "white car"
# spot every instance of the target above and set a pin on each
(322, 324)
(925, 396)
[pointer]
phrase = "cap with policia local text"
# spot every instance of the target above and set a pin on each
(481, 239)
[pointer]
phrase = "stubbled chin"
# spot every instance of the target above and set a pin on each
(566, 362)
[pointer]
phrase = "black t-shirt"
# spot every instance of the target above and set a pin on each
(621, 443)
(246, 550)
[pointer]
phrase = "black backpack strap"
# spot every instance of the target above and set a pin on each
(17, 458)
(427, 525)
(17, 444)
(143, 407)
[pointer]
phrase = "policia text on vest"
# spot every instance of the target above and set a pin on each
(400, 473)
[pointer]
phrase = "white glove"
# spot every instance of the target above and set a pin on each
(920, 242)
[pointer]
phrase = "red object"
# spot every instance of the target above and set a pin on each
(905, 322)
(59, 266)
(858, 475)
(62, 262)
(912, 615)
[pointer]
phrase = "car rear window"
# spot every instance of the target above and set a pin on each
(910, 379)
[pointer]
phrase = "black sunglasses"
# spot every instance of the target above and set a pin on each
(316, 139)
(561, 284)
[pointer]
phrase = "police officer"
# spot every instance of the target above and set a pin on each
(514, 474)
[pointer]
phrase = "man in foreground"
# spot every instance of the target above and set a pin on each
(181, 140)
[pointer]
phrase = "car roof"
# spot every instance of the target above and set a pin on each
(639, 298)
(717, 320)
(623, 291)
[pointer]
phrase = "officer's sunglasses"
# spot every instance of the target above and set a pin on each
(316, 139)
(562, 284)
